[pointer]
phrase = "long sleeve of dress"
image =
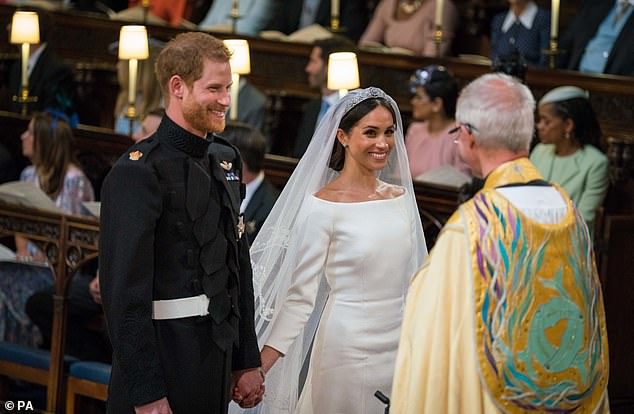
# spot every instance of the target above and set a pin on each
(131, 206)
(594, 191)
(314, 240)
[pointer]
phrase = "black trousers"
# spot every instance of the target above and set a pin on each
(197, 372)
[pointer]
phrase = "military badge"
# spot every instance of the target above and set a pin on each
(226, 165)
(135, 155)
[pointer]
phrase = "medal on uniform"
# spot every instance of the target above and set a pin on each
(226, 165)
(240, 226)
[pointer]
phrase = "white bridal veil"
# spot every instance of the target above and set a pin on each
(274, 251)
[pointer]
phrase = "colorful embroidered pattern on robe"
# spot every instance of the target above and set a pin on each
(540, 327)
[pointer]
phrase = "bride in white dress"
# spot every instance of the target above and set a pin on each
(333, 261)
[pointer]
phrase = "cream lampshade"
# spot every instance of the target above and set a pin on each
(133, 46)
(133, 43)
(343, 72)
(240, 65)
(25, 28)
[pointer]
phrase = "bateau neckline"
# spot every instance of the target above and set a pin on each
(359, 202)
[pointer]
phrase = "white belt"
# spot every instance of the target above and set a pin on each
(180, 308)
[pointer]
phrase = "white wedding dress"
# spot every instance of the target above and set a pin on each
(362, 249)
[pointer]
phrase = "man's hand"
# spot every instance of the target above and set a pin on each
(155, 407)
(94, 290)
(248, 387)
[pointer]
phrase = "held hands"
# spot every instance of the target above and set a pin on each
(248, 387)
(155, 407)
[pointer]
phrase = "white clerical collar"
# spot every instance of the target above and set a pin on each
(526, 18)
(34, 57)
(250, 189)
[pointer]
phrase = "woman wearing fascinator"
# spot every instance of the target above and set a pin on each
(332, 263)
(569, 151)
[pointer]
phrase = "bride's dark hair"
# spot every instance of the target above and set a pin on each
(349, 120)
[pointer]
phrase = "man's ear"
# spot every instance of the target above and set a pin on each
(176, 86)
(471, 141)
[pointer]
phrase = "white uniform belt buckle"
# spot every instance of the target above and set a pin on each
(180, 308)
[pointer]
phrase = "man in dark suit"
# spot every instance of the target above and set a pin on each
(317, 71)
(50, 79)
(601, 38)
(174, 267)
(295, 14)
(260, 193)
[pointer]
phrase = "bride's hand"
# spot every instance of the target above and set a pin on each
(269, 356)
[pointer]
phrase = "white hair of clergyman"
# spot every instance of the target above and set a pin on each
(501, 110)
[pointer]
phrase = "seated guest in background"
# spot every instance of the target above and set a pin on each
(171, 11)
(600, 38)
(260, 193)
(47, 142)
(317, 71)
(506, 315)
(569, 153)
(255, 16)
(428, 143)
(296, 14)
(524, 28)
(86, 337)
(149, 125)
(50, 79)
(251, 105)
(410, 24)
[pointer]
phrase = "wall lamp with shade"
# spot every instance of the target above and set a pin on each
(133, 46)
(25, 30)
(240, 65)
(343, 72)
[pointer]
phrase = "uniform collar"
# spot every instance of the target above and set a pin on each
(181, 139)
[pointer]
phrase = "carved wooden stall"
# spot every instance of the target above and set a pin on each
(68, 242)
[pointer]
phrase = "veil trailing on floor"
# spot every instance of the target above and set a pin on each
(274, 254)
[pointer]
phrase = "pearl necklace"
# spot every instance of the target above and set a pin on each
(409, 8)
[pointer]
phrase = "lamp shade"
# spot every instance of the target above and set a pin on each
(240, 59)
(343, 71)
(25, 27)
(133, 42)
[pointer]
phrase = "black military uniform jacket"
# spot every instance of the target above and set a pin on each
(169, 230)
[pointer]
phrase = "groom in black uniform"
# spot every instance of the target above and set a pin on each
(174, 266)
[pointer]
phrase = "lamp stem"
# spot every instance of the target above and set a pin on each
(133, 67)
(438, 38)
(132, 72)
(552, 56)
(25, 65)
(235, 88)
